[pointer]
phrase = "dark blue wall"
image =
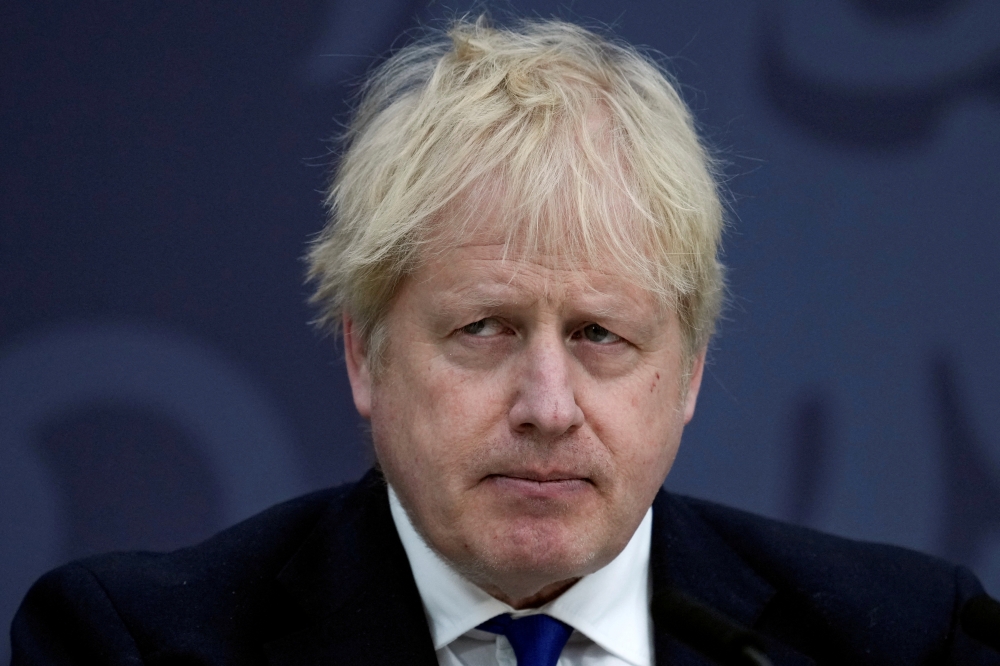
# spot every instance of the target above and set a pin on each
(159, 177)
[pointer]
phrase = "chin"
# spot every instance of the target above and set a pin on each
(544, 550)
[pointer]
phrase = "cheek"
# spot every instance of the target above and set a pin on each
(458, 409)
(640, 424)
(432, 423)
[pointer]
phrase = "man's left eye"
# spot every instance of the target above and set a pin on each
(598, 334)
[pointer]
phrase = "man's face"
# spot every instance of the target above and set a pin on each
(527, 412)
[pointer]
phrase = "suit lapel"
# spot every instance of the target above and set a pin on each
(687, 554)
(352, 583)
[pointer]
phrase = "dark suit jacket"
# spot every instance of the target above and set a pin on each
(323, 579)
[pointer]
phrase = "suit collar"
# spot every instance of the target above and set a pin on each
(352, 582)
(689, 555)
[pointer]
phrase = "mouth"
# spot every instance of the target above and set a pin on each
(535, 485)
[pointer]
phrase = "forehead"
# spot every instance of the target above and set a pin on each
(477, 275)
(561, 233)
(513, 247)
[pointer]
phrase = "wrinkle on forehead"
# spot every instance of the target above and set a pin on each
(493, 280)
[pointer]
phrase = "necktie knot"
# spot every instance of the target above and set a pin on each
(537, 639)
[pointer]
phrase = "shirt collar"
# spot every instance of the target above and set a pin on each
(609, 606)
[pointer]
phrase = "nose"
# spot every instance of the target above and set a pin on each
(545, 403)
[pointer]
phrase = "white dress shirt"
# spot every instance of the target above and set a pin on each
(608, 609)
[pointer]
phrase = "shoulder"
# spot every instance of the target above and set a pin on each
(213, 594)
(238, 557)
(791, 555)
(867, 602)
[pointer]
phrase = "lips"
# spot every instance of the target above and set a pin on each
(535, 485)
(539, 477)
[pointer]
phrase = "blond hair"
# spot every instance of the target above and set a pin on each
(581, 143)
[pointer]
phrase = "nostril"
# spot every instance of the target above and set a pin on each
(546, 413)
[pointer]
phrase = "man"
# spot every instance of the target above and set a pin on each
(522, 254)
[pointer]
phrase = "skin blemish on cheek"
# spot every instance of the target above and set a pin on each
(653, 387)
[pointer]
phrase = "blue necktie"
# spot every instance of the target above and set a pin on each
(537, 639)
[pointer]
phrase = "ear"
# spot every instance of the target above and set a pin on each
(694, 385)
(358, 372)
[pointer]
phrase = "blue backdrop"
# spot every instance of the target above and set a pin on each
(160, 173)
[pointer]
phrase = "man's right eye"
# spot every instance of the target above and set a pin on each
(483, 327)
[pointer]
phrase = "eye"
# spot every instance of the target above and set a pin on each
(598, 334)
(483, 327)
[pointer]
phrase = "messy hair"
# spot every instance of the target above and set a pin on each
(581, 146)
